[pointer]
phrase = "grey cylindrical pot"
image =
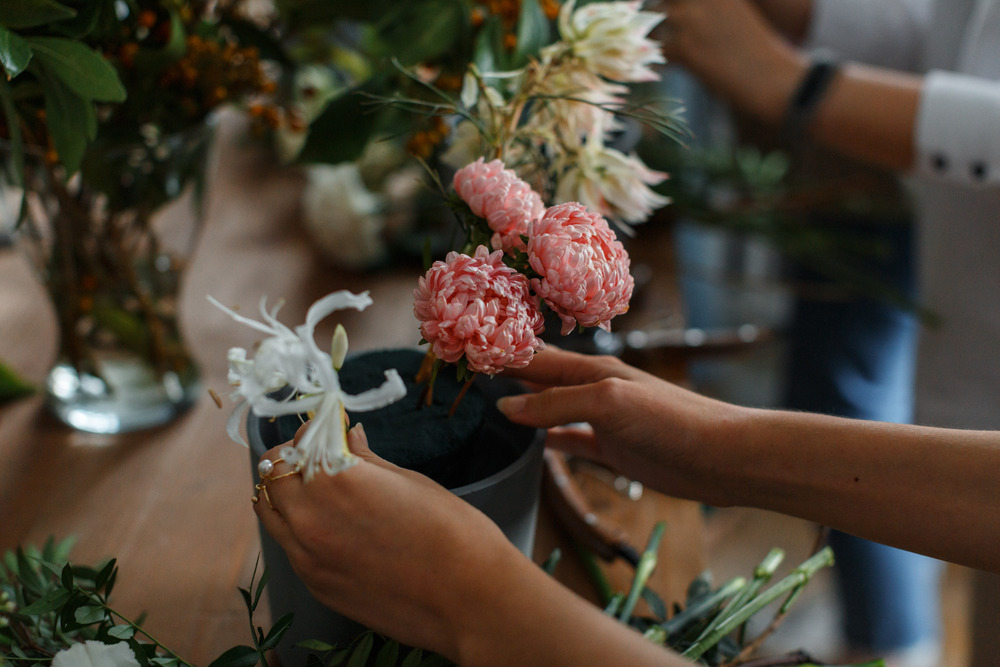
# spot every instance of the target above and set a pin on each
(509, 496)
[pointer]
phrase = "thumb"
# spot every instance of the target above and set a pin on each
(357, 443)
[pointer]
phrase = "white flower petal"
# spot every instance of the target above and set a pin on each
(390, 391)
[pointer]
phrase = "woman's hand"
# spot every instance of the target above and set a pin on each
(646, 428)
(389, 548)
(400, 554)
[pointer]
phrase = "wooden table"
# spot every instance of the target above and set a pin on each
(173, 504)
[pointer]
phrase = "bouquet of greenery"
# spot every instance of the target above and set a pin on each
(54, 610)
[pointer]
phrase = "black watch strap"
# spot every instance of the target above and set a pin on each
(807, 96)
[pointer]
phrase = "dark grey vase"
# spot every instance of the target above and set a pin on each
(493, 464)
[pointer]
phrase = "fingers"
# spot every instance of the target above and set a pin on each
(553, 366)
(558, 406)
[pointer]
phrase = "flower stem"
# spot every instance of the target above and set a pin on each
(790, 585)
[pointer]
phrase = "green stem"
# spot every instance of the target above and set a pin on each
(604, 591)
(702, 606)
(761, 575)
(792, 584)
(647, 563)
(135, 626)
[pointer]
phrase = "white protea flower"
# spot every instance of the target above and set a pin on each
(96, 654)
(291, 357)
(612, 38)
(573, 102)
(611, 182)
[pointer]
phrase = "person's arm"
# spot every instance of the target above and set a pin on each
(934, 491)
(867, 113)
(790, 17)
(405, 557)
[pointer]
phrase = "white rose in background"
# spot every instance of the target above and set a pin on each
(343, 216)
(96, 654)
(353, 210)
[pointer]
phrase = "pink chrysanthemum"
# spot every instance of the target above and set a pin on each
(583, 268)
(478, 307)
(506, 202)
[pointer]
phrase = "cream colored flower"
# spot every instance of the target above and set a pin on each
(612, 183)
(612, 38)
(573, 102)
(96, 654)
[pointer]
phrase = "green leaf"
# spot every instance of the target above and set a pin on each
(422, 31)
(89, 613)
(488, 54)
(413, 658)
(264, 576)
(123, 631)
(341, 132)
(315, 645)
(51, 601)
(104, 575)
(655, 603)
(29, 577)
(81, 68)
(15, 145)
(362, 650)
(388, 654)
(72, 123)
(277, 631)
(66, 576)
(237, 656)
(12, 386)
(18, 14)
(533, 32)
(15, 54)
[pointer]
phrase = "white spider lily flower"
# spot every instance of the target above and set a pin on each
(611, 37)
(292, 358)
(609, 181)
(338, 348)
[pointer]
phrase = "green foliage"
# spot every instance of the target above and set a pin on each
(47, 604)
(73, 68)
(12, 385)
(390, 38)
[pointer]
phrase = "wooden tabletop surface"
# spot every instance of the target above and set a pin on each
(173, 504)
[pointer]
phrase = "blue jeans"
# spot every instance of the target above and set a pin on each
(855, 358)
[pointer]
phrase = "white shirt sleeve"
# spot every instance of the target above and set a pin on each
(958, 129)
(889, 33)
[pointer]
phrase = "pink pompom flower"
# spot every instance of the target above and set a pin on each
(583, 269)
(506, 202)
(480, 308)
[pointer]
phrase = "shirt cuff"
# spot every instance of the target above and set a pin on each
(958, 129)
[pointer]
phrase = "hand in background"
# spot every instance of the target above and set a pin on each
(735, 51)
(642, 426)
